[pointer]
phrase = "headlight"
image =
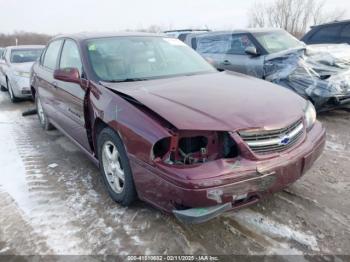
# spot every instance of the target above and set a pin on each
(22, 74)
(310, 115)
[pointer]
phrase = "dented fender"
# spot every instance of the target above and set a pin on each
(138, 129)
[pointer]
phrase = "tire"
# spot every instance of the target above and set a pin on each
(115, 167)
(44, 121)
(13, 98)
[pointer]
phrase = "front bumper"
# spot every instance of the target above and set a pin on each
(236, 187)
(21, 86)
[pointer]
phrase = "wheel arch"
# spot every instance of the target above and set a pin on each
(97, 127)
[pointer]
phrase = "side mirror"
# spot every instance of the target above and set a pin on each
(71, 75)
(251, 50)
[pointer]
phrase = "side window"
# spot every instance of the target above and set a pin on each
(51, 54)
(345, 34)
(327, 34)
(214, 44)
(239, 43)
(70, 56)
(3, 54)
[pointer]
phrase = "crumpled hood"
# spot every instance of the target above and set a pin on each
(318, 72)
(22, 67)
(218, 101)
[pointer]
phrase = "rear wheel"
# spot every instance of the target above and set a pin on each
(44, 121)
(115, 167)
(13, 98)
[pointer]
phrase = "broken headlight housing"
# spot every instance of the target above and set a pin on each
(310, 115)
(194, 147)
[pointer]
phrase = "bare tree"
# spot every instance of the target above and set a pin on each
(295, 16)
(23, 38)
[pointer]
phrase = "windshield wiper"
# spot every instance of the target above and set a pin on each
(126, 80)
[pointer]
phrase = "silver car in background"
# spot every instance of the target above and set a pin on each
(15, 65)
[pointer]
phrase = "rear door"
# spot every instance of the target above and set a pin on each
(70, 96)
(213, 47)
(45, 83)
(227, 52)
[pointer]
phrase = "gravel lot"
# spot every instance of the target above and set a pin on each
(52, 201)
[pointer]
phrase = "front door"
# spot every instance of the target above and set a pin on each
(237, 60)
(70, 97)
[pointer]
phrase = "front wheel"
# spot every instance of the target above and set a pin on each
(44, 121)
(115, 167)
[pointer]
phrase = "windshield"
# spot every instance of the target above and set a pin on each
(140, 58)
(25, 55)
(277, 41)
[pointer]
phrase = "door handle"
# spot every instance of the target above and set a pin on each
(226, 62)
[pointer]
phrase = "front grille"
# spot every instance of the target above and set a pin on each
(274, 141)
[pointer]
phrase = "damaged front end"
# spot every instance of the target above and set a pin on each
(320, 74)
(186, 148)
(218, 174)
(195, 155)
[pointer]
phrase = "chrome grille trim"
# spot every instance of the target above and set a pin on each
(268, 142)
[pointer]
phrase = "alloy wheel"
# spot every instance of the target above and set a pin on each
(112, 167)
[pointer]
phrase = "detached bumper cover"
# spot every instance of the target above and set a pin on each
(201, 215)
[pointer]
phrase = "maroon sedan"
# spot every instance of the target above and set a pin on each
(165, 127)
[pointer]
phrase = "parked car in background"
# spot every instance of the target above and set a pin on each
(15, 65)
(337, 32)
(1, 51)
(165, 126)
(183, 33)
(276, 56)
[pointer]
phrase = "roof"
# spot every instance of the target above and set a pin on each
(90, 35)
(185, 30)
(244, 31)
(332, 23)
(25, 46)
(254, 30)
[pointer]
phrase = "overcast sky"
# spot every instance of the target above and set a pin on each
(68, 16)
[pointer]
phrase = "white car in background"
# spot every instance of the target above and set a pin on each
(15, 66)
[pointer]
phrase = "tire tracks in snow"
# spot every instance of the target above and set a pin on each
(26, 179)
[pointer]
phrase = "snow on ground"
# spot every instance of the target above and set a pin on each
(37, 207)
(271, 229)
(55, 203)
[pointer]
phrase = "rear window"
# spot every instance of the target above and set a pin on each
(215, 44)
(25, 55)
